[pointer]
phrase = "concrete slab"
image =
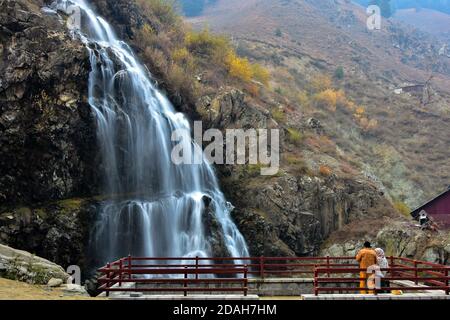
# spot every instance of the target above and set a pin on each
(198, 297)
(281, 280)
(407, 296)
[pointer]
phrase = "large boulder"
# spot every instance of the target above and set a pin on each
(24, 266)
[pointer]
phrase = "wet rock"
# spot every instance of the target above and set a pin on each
(213, 230)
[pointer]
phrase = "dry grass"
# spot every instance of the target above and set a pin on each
(15, 290)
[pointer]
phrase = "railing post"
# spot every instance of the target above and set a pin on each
(185, 280)
(129, 266)
(316, 283)
(196, 267)
(392, 260)
(245, 280)
(120, 272)
(416, 273)
(447, 291)
(328, 266)
(108, 266)
(261, 267)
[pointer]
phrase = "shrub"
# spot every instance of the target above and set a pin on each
(206, 44)
(325, 171)
(303, 99)
(330, 99)
(278, 115)
(253, 89)
(298, 165)
(278, 32)
(239, 68)
(339, 73)
(260, 74)
(163, 10)
(402, 208)
(182, 57)
(359, 112)
(294, 136)
(320, 83)
(326, 99)
(279, 91)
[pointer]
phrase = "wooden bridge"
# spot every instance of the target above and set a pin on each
(221, 276)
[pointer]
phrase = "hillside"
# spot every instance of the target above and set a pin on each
(405, 150)
(428, 20)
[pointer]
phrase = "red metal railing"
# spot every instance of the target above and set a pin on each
(155, 277)
(425, 276)
(191, 273)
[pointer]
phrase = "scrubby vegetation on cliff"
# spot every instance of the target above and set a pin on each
(190, 63)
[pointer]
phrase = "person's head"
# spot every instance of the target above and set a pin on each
(379, 252)
(367, 244)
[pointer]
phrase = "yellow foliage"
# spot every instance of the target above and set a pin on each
(327, 99)
(260, 74)
(321, 83)
(184, 58)
(367, 124)
(239, 68)
(180, 55)
(341, 100)
(360, 111)
(206, 43)
(350, 105)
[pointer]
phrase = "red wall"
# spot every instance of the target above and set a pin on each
(439, 210)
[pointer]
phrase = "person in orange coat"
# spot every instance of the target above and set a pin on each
(366, 257)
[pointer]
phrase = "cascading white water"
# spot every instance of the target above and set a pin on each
(156, 206)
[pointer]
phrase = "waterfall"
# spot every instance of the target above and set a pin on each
(155, 208)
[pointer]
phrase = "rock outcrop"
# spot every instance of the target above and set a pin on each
(283, 214)
(23, 266)
(401, 239)
(58, 231)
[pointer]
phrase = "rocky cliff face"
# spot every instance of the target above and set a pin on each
(285, 214)
(47, 134)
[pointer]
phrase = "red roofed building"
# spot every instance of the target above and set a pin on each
(438, 209)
